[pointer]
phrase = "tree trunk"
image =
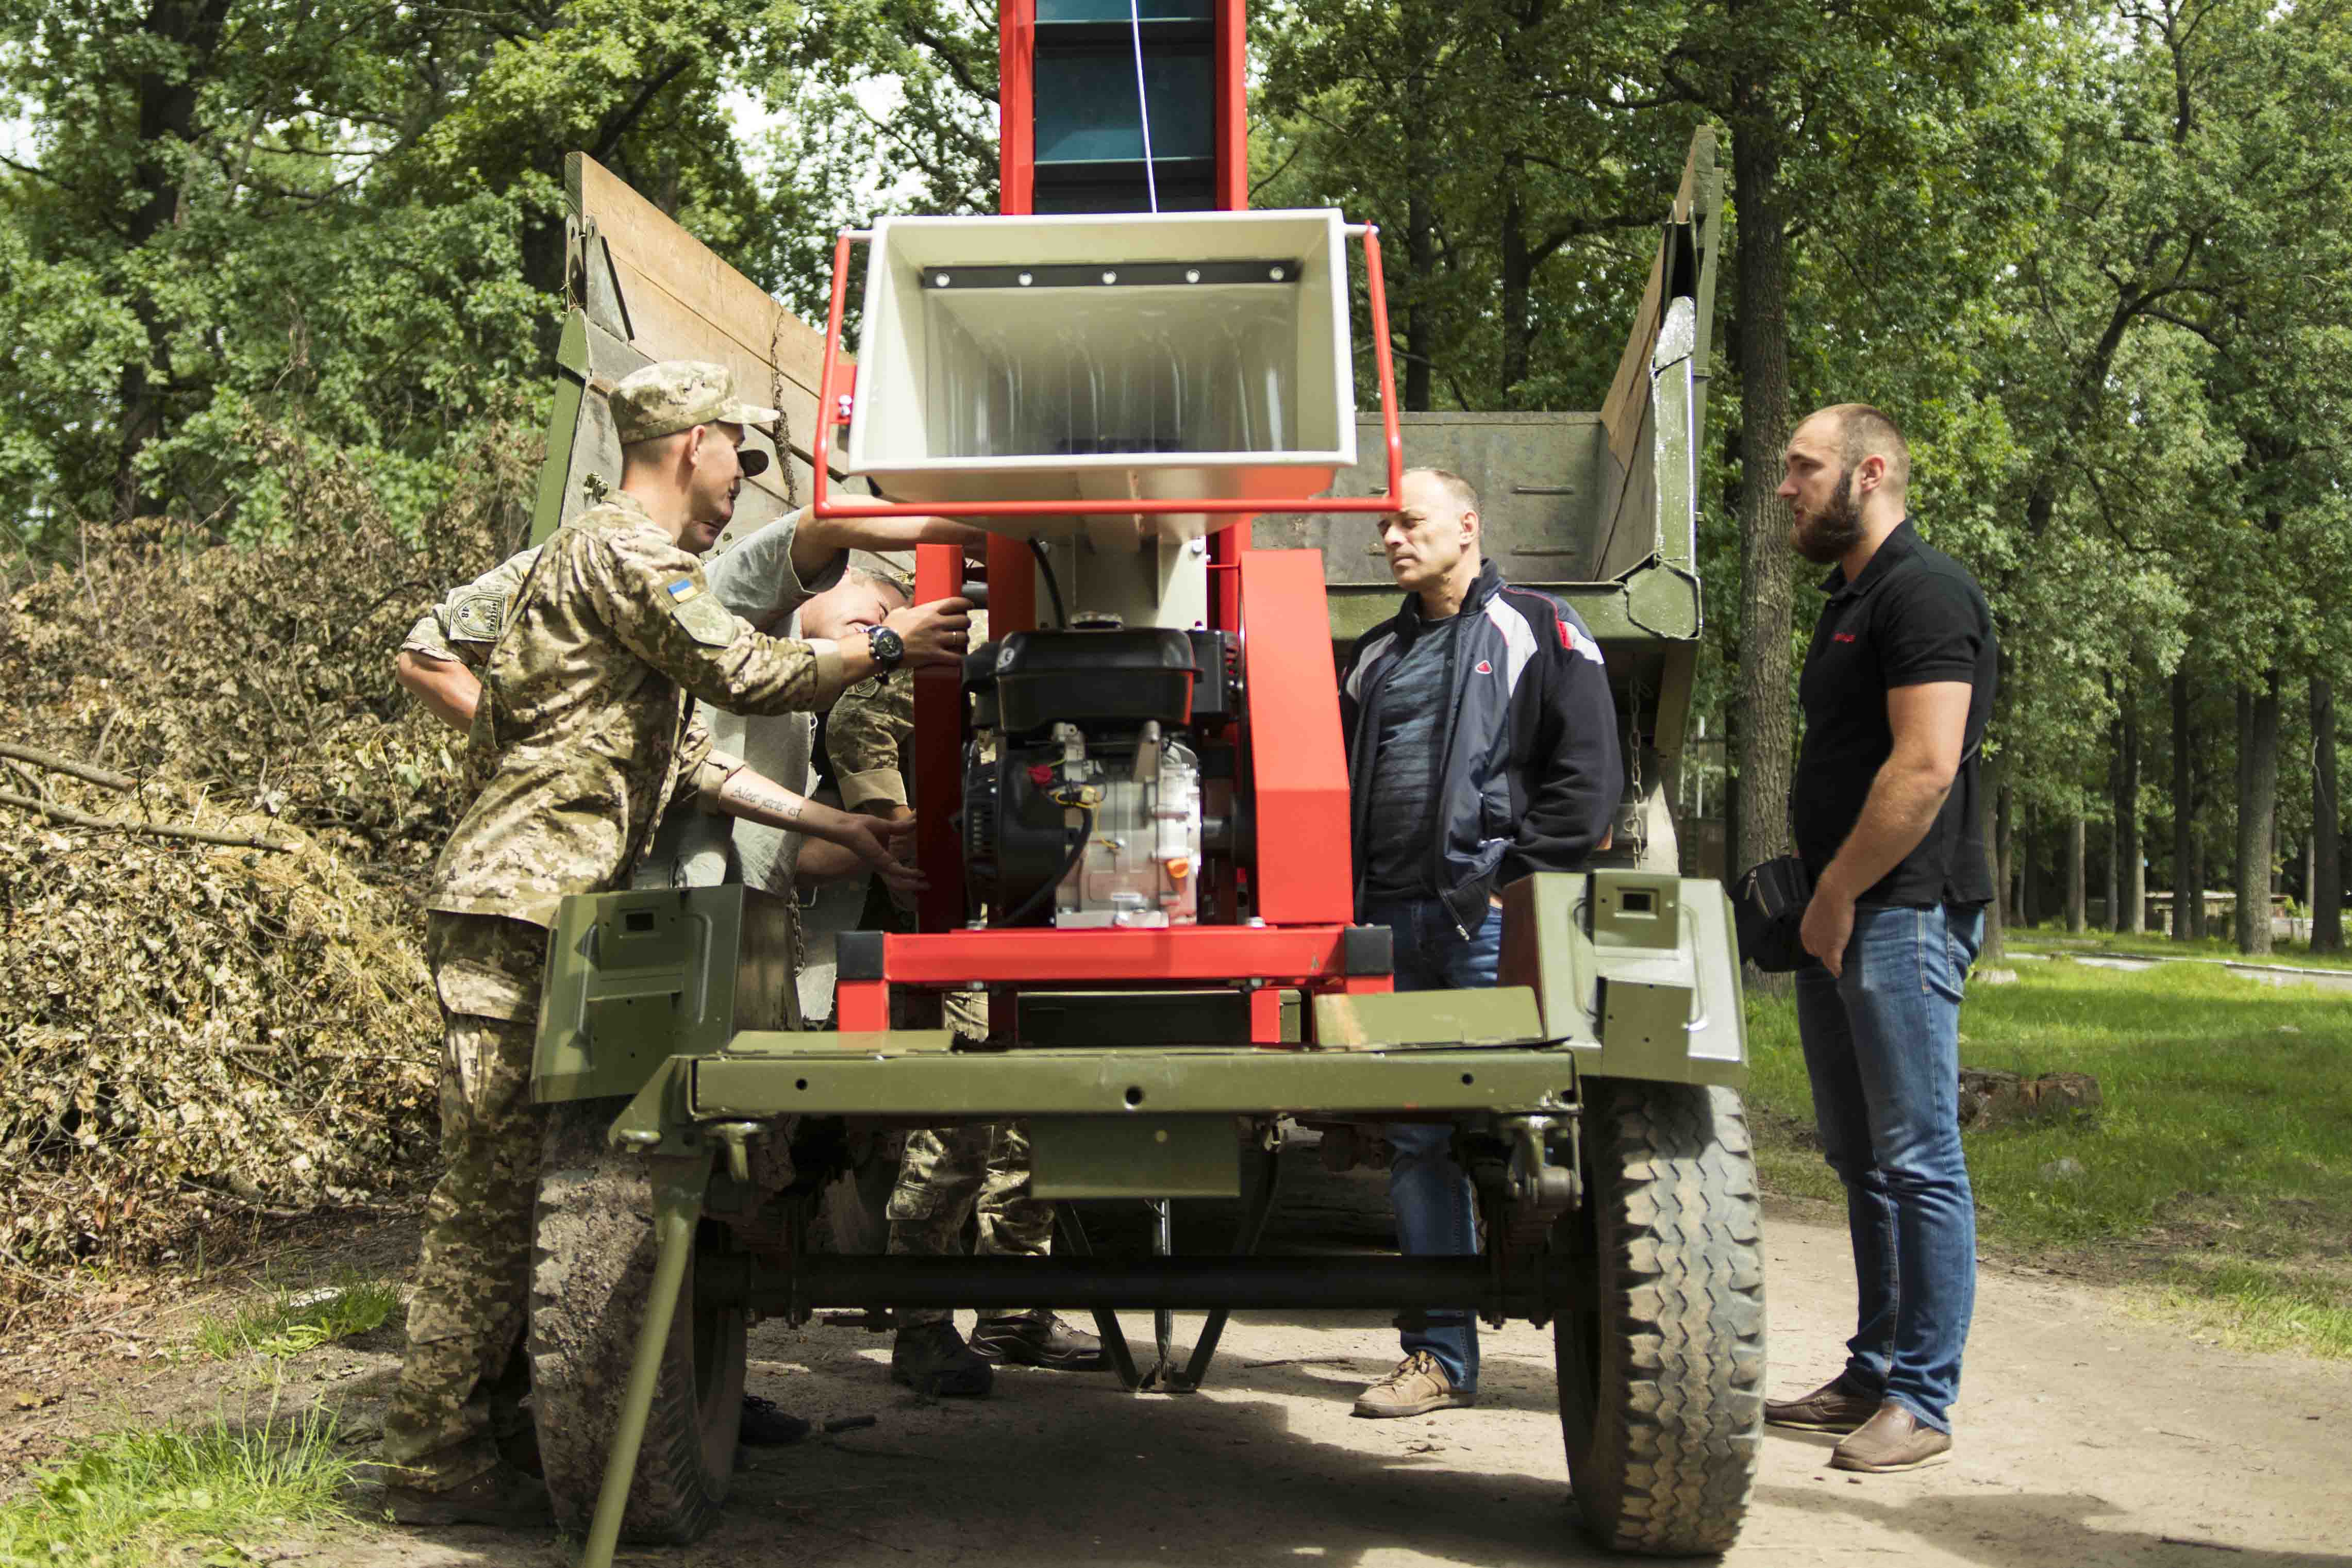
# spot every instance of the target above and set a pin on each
(1767, 731)
(2077, 894)
(2327, 825)
(2184, 811)
(1518, 277)
(2004, 846)
(183, 34)
(2029, 886)
(1996, 834)
(2131, 876)
(2198, 879)
(2258, 741)
(1420, 319)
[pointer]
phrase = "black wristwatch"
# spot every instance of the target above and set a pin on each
(886, 646)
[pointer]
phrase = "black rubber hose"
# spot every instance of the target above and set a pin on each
(1052, 585)
(1077, 852)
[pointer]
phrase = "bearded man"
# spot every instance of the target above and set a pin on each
(1897, 687)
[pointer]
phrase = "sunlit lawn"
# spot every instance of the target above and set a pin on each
(2219, 1169)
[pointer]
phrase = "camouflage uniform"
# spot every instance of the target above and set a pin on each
(948, 1173)
(864, 731)
(462, 1384)
(584, 733)
(464, 627)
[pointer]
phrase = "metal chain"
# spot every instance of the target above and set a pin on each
(1633, 772)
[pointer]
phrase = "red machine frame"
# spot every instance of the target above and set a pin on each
(1291, 754)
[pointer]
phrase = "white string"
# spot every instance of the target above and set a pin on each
(1142, 103)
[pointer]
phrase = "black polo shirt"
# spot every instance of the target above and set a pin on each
(1914, 617)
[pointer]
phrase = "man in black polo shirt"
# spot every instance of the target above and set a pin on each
(1898, 686)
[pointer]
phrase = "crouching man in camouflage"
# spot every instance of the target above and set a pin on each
(951, 1175)
(582, 732)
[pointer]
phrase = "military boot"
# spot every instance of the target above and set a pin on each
(504, 1498)
(1038, 1339)
(765, 1425)
(933, 1359)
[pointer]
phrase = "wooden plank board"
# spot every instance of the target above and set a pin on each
(1622, 413)
(683, 302)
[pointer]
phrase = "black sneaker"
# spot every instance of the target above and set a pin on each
(504, 1498)
(933, 1359)
(1045, 1342)
(767, 1425)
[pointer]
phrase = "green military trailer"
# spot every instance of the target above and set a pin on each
(695, 1133)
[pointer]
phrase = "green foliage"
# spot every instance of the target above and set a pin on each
(291, 1322)
(134, 1496)
(2212, 1168)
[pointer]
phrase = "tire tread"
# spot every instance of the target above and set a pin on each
(1669, 1463)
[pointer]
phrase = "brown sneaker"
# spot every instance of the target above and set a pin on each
(504, 1498)
(1894, 1439)
(1417, 1386)
(1834, 1406)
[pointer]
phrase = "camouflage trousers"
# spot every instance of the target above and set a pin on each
(462, 1384)
(951, 1173)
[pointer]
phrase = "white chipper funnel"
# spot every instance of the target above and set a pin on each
(1080, 359)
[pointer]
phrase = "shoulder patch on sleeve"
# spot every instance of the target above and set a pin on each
(477, 616)
(866, 688)
(704, 618)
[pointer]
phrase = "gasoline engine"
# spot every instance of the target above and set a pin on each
(1085, 802)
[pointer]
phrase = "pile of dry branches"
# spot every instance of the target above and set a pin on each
(215, 810)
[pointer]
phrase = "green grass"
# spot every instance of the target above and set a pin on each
(2215, 1171)
(287, 1324)
(135, 1496)
(2057, 938)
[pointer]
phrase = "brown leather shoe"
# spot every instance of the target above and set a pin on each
(1834, 1406)
(1894, 1439)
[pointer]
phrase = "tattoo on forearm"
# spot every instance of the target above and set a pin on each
(751, 794)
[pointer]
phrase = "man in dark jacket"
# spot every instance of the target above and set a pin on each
(1482, 746)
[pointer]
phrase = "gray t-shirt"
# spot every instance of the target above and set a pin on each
(751, 573)
(1401, 856)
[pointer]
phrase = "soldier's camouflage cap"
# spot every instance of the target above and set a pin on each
(677, 395)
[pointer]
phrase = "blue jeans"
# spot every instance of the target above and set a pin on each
(1882, 1046)
(1436, 1214)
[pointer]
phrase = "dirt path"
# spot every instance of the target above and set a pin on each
(2088, 1436)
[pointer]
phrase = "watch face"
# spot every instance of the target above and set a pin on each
(884, 645)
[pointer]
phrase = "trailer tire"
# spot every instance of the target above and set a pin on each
(592, 1269)
(1661, 1365)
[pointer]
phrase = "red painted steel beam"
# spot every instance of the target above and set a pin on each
(1298, 762)
(1214, 953)
(1232, 107)
(1016, 118)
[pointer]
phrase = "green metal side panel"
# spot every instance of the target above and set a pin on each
(1423, 1020)
(1636, 971)
(1133, 1157)
(981, 1086)
(634, 978)
(562, 427)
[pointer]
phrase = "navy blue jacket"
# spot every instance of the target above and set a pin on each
(1531, 773)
